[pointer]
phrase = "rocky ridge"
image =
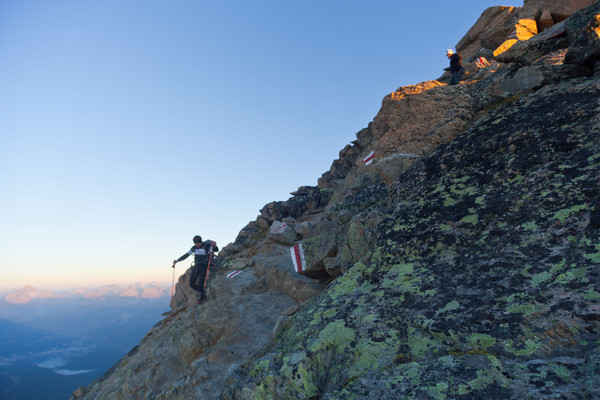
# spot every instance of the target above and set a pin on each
(462, 263)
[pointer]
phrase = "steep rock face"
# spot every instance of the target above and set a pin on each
(461, 263)
(416, 119)
(558, 10)
(584, 30)
(412, 121)
(483, 280)
(189, 353)
(499, 28)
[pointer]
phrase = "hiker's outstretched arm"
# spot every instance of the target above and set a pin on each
(186, 255)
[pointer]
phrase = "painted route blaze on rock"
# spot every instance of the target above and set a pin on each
(297, 253)
(233, 273)
(282, 233)
(280, 229)
(369, 158)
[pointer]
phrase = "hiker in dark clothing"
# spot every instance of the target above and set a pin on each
(456, 67)
(202, 252)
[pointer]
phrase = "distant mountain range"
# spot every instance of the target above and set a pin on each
(53, 342)
(142, 291)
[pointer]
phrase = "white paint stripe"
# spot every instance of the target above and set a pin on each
(232, 274)
(302, 256)
(297, 254)
(369, 159)
(294, 258)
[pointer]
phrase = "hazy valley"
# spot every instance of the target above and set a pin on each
(53, 342)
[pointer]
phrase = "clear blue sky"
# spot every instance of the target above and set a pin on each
(129, 126)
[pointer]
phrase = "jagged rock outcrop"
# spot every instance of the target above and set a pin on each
(499, 28)
(584, 31)
(487, 34)
(463, 262)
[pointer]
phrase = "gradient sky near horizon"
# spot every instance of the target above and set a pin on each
(129, 126)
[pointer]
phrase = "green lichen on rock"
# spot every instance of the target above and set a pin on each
(462, 291)
(334, 336)
(563, 214)
(481, 340)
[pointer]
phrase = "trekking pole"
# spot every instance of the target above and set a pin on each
(208, 266)
(207, 269)
(172, 287)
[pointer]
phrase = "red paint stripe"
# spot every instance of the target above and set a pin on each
(369, 158)
(298, 259)
(232, 274)
(281, 229)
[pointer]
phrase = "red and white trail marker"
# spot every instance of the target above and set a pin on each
(369, 159)
(233, 273)
(512, 35)
(297, 253)
(281, 228)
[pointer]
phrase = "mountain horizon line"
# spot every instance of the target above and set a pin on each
(28, 293)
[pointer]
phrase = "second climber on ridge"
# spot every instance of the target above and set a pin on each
(202, 252)
(456, 68)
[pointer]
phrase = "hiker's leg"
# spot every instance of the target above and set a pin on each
(202, 278)
(453, 80)
(194, 278)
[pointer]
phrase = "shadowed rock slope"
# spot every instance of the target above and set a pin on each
(483, 280)
(463, 263)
